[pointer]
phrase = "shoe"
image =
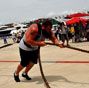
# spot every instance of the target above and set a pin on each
(26, 76)
(16, 78)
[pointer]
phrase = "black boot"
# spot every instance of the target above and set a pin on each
(26, 76)
(16, 78)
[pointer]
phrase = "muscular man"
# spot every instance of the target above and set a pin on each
(29, 46)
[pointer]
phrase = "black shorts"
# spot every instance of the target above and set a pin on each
(28, 56)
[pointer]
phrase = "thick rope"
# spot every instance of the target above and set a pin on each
(42, 74)
(70, 47)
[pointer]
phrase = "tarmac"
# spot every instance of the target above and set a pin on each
(58, 75)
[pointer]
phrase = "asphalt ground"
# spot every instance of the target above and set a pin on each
(59, 75)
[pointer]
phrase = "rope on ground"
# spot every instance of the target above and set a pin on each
(41, 70)
(70, 47)
(5, 45)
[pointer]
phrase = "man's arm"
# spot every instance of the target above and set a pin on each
(31, 34)
(56, 41)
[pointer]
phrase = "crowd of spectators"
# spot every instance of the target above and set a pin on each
(78, 32)
(16, 37)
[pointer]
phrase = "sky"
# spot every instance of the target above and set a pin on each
(12, 11)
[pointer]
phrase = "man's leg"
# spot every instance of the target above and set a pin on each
(28, 67)
(24, 74)
(16, 74)
(19, 68)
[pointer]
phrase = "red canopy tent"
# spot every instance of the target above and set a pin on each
(74, 20)
(76, 15)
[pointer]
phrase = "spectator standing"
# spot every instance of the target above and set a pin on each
(14, 37)
(72, 32)
(63, 33)
(55, 30)
(87, 30)
(81, 31)
(76, 32)
(5, 39)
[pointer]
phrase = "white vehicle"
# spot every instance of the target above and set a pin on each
(21, 27)
(5, 30)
